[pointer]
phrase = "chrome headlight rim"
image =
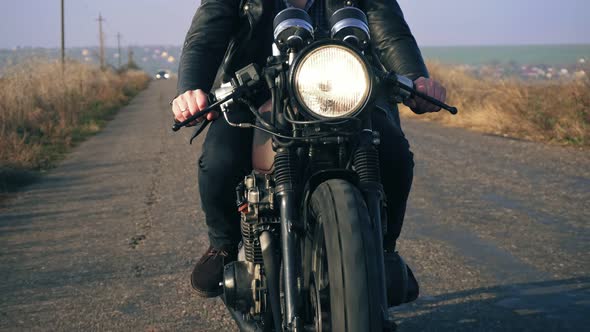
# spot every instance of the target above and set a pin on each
(308, 113)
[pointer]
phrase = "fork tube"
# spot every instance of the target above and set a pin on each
(272, 266)
(366, 162)
(285, 171)
(289, 245)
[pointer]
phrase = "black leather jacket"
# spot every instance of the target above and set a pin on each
(226, 35)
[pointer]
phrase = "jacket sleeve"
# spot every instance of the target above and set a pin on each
(205, 44)
(392, 39)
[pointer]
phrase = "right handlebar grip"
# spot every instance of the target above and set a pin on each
(177, 126)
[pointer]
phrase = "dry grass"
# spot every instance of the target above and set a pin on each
(44, 111)
(549, 111)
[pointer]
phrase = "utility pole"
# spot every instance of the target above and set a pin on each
(119, 48)
(101, 40)
(63, 39)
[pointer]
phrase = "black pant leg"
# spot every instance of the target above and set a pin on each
(226, 159)
(397, 171)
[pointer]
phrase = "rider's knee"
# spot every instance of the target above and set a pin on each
(219, 159)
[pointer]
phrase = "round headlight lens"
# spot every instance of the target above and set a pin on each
(332, 81)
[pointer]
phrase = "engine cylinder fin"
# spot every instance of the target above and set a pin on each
(252, 248)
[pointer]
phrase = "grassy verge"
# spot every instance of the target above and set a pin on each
(557, 112)
(45, 111)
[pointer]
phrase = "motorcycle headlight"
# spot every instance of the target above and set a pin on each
(331, 81)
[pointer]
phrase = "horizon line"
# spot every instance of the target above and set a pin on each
(180, 45)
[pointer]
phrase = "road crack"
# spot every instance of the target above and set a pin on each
(151, 199)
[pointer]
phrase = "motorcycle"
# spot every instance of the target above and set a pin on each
(312, 210)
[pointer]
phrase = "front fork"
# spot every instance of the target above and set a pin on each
(285, 180)
(366, 164)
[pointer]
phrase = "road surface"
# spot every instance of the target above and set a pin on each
(497, 231)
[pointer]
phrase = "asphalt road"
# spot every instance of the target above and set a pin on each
(497, 232)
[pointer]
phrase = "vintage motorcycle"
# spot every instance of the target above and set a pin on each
(312, 210)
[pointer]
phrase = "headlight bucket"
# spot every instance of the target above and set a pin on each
(323, 90)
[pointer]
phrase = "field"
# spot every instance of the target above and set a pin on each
(553, 111)
(44, 111)
(551, 55)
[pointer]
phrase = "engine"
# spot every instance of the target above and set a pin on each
(244, 281)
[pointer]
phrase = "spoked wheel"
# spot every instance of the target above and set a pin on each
(344, 282)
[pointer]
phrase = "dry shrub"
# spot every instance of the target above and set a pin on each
(44, 110)
(557, 111)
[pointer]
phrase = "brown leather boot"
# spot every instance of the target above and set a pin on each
(208, 273)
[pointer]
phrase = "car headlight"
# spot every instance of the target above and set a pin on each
(166, 75)
(331, 81)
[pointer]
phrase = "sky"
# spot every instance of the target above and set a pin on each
(433, 22)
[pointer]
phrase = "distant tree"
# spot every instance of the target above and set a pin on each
(130, 61)
(131, 64)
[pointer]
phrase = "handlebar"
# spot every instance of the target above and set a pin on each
(177, 126)
(401, 82)
(406, 90)
(453, 110)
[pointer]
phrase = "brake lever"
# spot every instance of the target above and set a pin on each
(406, 84)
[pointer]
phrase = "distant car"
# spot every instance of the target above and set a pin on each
(163, 75)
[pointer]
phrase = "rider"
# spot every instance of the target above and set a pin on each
(226, 35)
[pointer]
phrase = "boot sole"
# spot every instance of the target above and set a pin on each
(206, 293)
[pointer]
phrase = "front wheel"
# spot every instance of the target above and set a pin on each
(344, 285)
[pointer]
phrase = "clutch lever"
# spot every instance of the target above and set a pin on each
(200, 129)
(205, 111)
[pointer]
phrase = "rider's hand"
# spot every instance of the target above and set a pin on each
(431, 88)
(189, 103)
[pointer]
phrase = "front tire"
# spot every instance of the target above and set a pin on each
(345, 287)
